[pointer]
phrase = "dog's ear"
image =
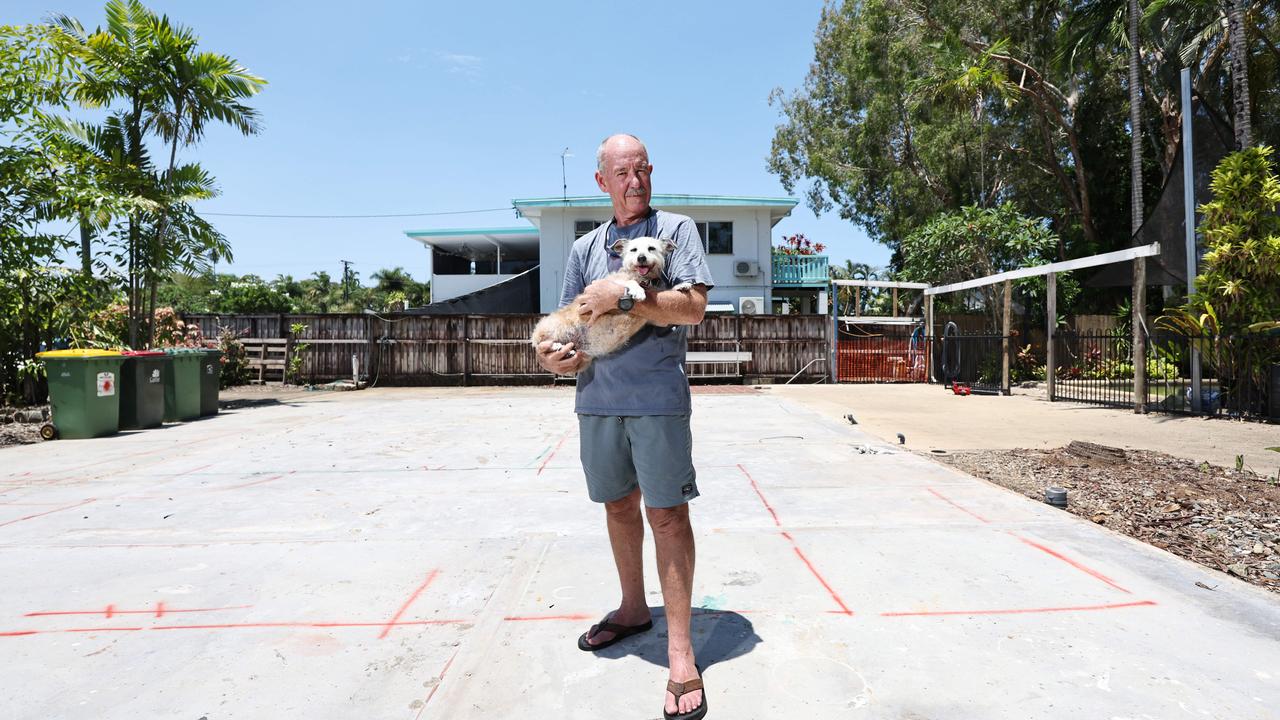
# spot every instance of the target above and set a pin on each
(668, 247)
(618, 246)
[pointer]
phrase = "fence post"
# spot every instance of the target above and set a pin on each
(832, 342)
(1008, 323)
(1140, 335)
(466, 350)
(1051, 302)
(288, 354)
(928, 338)
(368, 353)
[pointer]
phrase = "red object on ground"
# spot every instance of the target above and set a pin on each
(960, 388)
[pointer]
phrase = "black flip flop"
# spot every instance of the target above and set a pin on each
(684, 688)
(619, 632)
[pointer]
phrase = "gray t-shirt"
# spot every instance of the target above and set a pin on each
(646, 376)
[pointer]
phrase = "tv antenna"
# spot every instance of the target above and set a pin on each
(564, 183)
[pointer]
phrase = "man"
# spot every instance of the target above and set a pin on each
(633, 412)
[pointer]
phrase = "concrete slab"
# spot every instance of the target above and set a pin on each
(419, 553)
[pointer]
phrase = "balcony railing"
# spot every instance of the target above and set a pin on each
(799, 270)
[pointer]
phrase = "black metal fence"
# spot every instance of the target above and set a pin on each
(1094, 368)
(1240, 375)
(976, 360)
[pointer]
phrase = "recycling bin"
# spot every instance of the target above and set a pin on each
(84, 392)
(182, 384)
(210, 381)
(142, 389)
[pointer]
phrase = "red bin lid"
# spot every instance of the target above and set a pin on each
(142, 353)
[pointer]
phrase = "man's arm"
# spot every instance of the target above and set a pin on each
(559, 361)
(667, 307)
(673, 307)
(565, 361)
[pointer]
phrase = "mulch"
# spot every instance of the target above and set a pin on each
(1223, 518)
(15, 429)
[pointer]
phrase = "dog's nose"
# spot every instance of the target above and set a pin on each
(641, 259)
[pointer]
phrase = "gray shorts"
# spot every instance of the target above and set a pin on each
(652, 452)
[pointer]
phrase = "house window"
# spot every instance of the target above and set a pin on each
(582, 227)
(717, 237)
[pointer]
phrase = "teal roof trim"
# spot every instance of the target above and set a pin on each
(658, 199)
(527, 230)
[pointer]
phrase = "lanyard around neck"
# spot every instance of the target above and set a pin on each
(650, 226)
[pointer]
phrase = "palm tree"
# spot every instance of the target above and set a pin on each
(1135, 216)
(117, 63)
(172, 91)
(1240, 73)
(391, 280)
(856, 271)
(197, 87)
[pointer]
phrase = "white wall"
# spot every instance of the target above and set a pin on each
(447, 287)
(751, 241)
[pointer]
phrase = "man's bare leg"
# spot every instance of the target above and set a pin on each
(626, 536)
(673, 539)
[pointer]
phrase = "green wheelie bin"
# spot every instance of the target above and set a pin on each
(84, 392)
(142, 389)
(182, 384)
(210, 381)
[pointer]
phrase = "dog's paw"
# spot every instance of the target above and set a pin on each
(634, 291)
(683, 286)
(555, 347)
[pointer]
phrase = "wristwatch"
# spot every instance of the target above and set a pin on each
(625, 303)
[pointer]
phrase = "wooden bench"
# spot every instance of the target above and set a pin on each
(735, 357)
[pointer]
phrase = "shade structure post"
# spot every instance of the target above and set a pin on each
(1051, 324)
(1005, 382)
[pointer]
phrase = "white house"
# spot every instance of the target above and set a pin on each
(736, 233)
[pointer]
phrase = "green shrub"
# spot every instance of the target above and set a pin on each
(235, 362)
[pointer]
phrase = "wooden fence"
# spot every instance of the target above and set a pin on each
(400, 349)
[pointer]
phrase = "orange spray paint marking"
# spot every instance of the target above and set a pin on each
(395, 618)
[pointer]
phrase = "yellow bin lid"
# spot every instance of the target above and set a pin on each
(77, 353)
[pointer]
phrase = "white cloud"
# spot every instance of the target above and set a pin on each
(460, 63)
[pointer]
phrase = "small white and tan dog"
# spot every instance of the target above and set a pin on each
(643, 260)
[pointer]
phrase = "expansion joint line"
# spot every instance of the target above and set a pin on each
(844, 609)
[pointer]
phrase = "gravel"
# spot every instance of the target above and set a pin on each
(1222, 518)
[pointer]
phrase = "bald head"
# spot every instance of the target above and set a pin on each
(618, 144)
(623, 172)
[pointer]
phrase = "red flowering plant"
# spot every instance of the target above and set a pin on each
(798, 244)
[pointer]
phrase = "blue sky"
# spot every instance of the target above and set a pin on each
(401, 107)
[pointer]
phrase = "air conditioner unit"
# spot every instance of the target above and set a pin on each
(751, 306)
(746, 268)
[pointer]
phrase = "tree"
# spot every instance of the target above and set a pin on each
(976, 242)
(911, 108)
(197, 87)
(165, 87)
(856, 271)
(1240, 72)
(41, 179)
(1241, 278)
(399, 283)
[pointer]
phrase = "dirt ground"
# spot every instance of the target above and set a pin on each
(13, 432)
(1221, 518)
